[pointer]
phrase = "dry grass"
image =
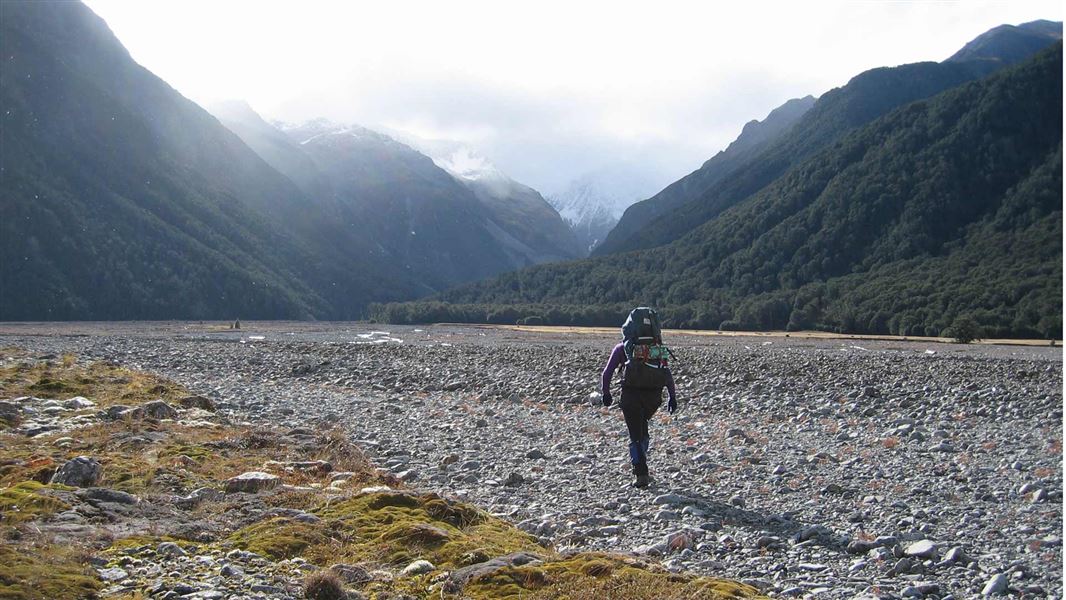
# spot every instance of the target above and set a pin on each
(323, 585)
(104, 383)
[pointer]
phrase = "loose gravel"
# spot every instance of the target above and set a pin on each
(810, 468)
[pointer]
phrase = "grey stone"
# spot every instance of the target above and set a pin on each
(158, 409)
(197, 402)
(115, 411)
(670, 500)
(113, 574)
(459, 577)
(78, 403)
(996, 586)
(82, 471)
(108, 495)
(10, 413)
(920, 590)
(921, 549)
(252, 482)
(200, 495)
(679, 540)
(170, 549)
(418, 567)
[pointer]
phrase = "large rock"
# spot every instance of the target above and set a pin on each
(158, 409)
(459, 577)
(10, 413)
(921, 549)
(418, 567)
(197, 402)
(996, 586)
(82, 471)
(108, 495)
(252, 482)
(78, 403)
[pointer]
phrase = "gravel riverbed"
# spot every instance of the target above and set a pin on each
(830, 468)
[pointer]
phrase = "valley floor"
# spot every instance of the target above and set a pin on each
(807, 467)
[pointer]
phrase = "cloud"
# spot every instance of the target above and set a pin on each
(549, 89)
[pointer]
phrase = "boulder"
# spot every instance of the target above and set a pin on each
(252, 482)
(78, 403)
(108, 495)
(418, 567)
(921, 549)
(199, 495)
(81, 471)
(158, 409)
(459, 577)
(10, 413)
(197, 402)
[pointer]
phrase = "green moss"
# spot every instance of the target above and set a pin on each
(24, 502)
(280, 537)
(389, 527)
(45, 573)
(194, 451)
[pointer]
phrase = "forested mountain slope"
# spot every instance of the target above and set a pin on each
(124, 200)
(838, 112)
(945, 207)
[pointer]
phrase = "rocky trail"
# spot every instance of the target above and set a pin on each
(806, 468)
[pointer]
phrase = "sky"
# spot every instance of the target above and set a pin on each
(548, 90)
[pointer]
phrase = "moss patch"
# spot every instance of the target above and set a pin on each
(45, 573)
(25, 502)
(280, 537)
(392, 528)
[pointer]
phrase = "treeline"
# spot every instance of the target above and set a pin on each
(830, 307)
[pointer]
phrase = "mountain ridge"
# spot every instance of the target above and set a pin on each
(865, 97)
(947, 207)
(754, 137)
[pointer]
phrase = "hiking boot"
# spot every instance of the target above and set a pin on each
(642, 481)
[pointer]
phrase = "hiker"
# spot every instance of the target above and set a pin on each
(645, 372)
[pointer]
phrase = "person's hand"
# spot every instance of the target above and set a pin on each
(607, 400)
(671, 406)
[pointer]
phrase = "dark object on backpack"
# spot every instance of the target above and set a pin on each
(646, 357)
(641, 327)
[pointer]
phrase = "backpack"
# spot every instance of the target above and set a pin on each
(646, 356)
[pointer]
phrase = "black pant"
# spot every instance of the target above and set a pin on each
(638, 406)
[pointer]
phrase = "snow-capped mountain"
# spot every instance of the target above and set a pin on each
(593, 203)
(518, 209)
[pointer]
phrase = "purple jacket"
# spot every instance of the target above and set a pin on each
(618, 356)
